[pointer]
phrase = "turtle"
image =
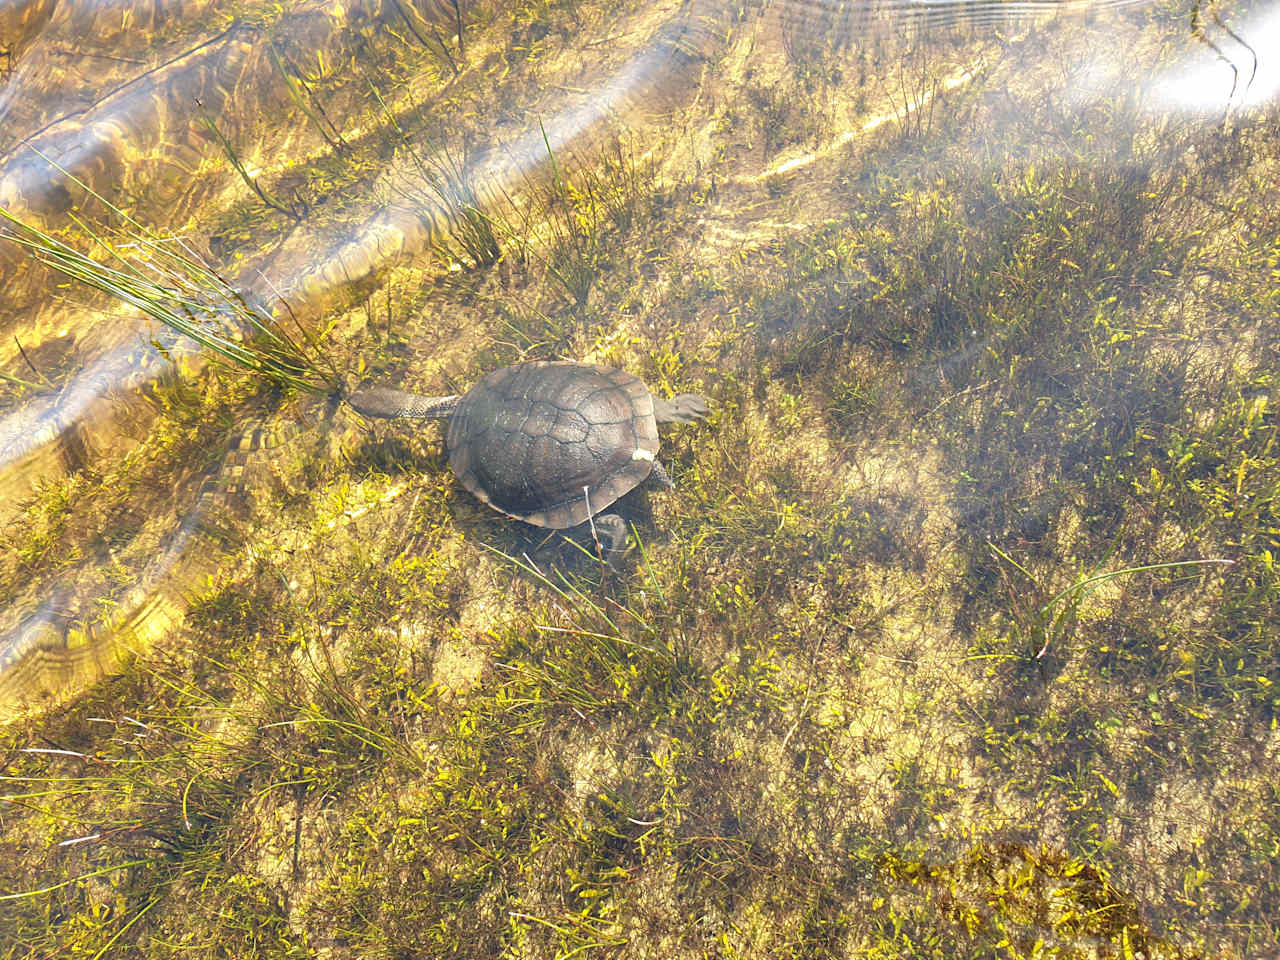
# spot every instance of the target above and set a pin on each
(552, 443)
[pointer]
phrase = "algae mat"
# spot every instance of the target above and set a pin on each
(956, 638)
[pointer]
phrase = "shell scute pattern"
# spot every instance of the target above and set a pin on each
(570, 427)
(553, 443)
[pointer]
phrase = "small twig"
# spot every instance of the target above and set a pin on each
(457, 17)
(47, 381)
(799, 717)
(591, 520)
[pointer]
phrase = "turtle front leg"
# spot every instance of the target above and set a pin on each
(682, 408)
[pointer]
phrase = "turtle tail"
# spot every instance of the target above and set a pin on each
(388, 402)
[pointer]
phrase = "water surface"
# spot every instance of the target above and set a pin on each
(956, 637)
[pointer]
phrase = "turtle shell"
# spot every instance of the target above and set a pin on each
(553, 443)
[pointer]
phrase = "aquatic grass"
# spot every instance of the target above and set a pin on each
(826, 769)
(171, 780)
(296, 211)
(559, 221)
(1038, 626)
(575, 216)
(304, 100)
(448, 187)
(168, 281)
(413, 19)
(136, 793)
(621, 652)
(564, 223)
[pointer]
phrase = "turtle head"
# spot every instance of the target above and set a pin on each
(682, 408)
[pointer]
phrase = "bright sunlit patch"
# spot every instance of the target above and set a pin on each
(1205, 82)
(950, 83)
(390, 494)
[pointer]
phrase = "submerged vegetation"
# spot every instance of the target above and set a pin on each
(957, 637)
(169, 282)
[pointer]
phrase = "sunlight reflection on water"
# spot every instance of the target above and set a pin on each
(1205, 83)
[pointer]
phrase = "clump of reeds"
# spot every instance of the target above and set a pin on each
(168, 280)
(440, 181)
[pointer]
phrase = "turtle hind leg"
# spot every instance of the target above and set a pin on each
(682, 408)
(658, 475)
(388, 403)
(610, 533)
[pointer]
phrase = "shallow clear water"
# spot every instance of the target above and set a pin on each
(957, 634)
